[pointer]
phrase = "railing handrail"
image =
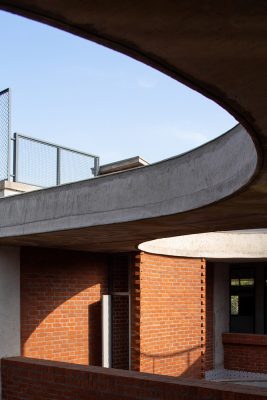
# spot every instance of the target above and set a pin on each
(17, 134)
(4, 91)
(8, 130)
(16, 154)
(11, 161)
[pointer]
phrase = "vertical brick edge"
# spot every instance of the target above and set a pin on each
(135, 311)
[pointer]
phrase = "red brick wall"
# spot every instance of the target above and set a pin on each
(245, 352)
(45, 380)
(135, 311)
(120, 332)
(209, 362)
(60, 304)
(169, 317)
(119, 283)
(61, 310)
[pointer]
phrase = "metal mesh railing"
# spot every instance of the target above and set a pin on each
(45, 164)
(4, 134)
(74, 165)
(37, 162)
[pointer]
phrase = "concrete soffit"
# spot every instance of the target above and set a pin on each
(230, 246)
(219, 186)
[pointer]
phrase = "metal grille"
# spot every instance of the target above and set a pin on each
(234, 305)
(45, 164)
(36, 164)
(75, 166)
(4, 134)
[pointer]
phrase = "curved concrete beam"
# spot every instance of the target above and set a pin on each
(219, 51)
(195, 179)
(213, 246)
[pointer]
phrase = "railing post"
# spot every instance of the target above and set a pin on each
(15, 157)
(5, 134)
(58, 165)
(96, 166)
(9, 136)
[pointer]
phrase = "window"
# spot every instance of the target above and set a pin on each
(234, 305)
(242, 300)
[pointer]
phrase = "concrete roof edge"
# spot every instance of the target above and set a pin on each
(121, 165)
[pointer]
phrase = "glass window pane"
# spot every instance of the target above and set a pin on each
(234, 282)
(234, 305)
(247, 282)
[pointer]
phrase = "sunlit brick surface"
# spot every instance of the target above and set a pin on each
(61, 305)
(169, 318)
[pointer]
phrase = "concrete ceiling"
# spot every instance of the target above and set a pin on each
(232, 246)
(218, 48)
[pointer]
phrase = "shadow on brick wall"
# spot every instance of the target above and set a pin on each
(95, 334)
(60, 304)
(186, 363)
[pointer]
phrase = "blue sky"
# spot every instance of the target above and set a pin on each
(73, 92)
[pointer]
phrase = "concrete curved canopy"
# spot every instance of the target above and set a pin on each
(176, 185)
(230, 246)
(219, 51)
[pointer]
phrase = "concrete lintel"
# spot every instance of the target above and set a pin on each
(122, 165)
(17, 186)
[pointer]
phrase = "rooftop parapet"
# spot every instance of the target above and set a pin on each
(8, 188)
(122, 165)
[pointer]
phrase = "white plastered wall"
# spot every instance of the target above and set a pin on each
(9, 301)
(221, 310)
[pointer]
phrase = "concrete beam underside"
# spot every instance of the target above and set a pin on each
(211, 49)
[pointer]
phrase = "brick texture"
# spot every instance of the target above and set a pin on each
(209, 361)
(168, 315)
(119, 283)
(120, 332)
(61, 304)
(245, 352)
(135, 311)
(46, 380)
(171, 314)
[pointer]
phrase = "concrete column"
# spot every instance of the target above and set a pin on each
(9, 301)
(221, 310)
(106, 332)
(259, 298)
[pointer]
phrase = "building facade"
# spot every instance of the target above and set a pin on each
(169, 315)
